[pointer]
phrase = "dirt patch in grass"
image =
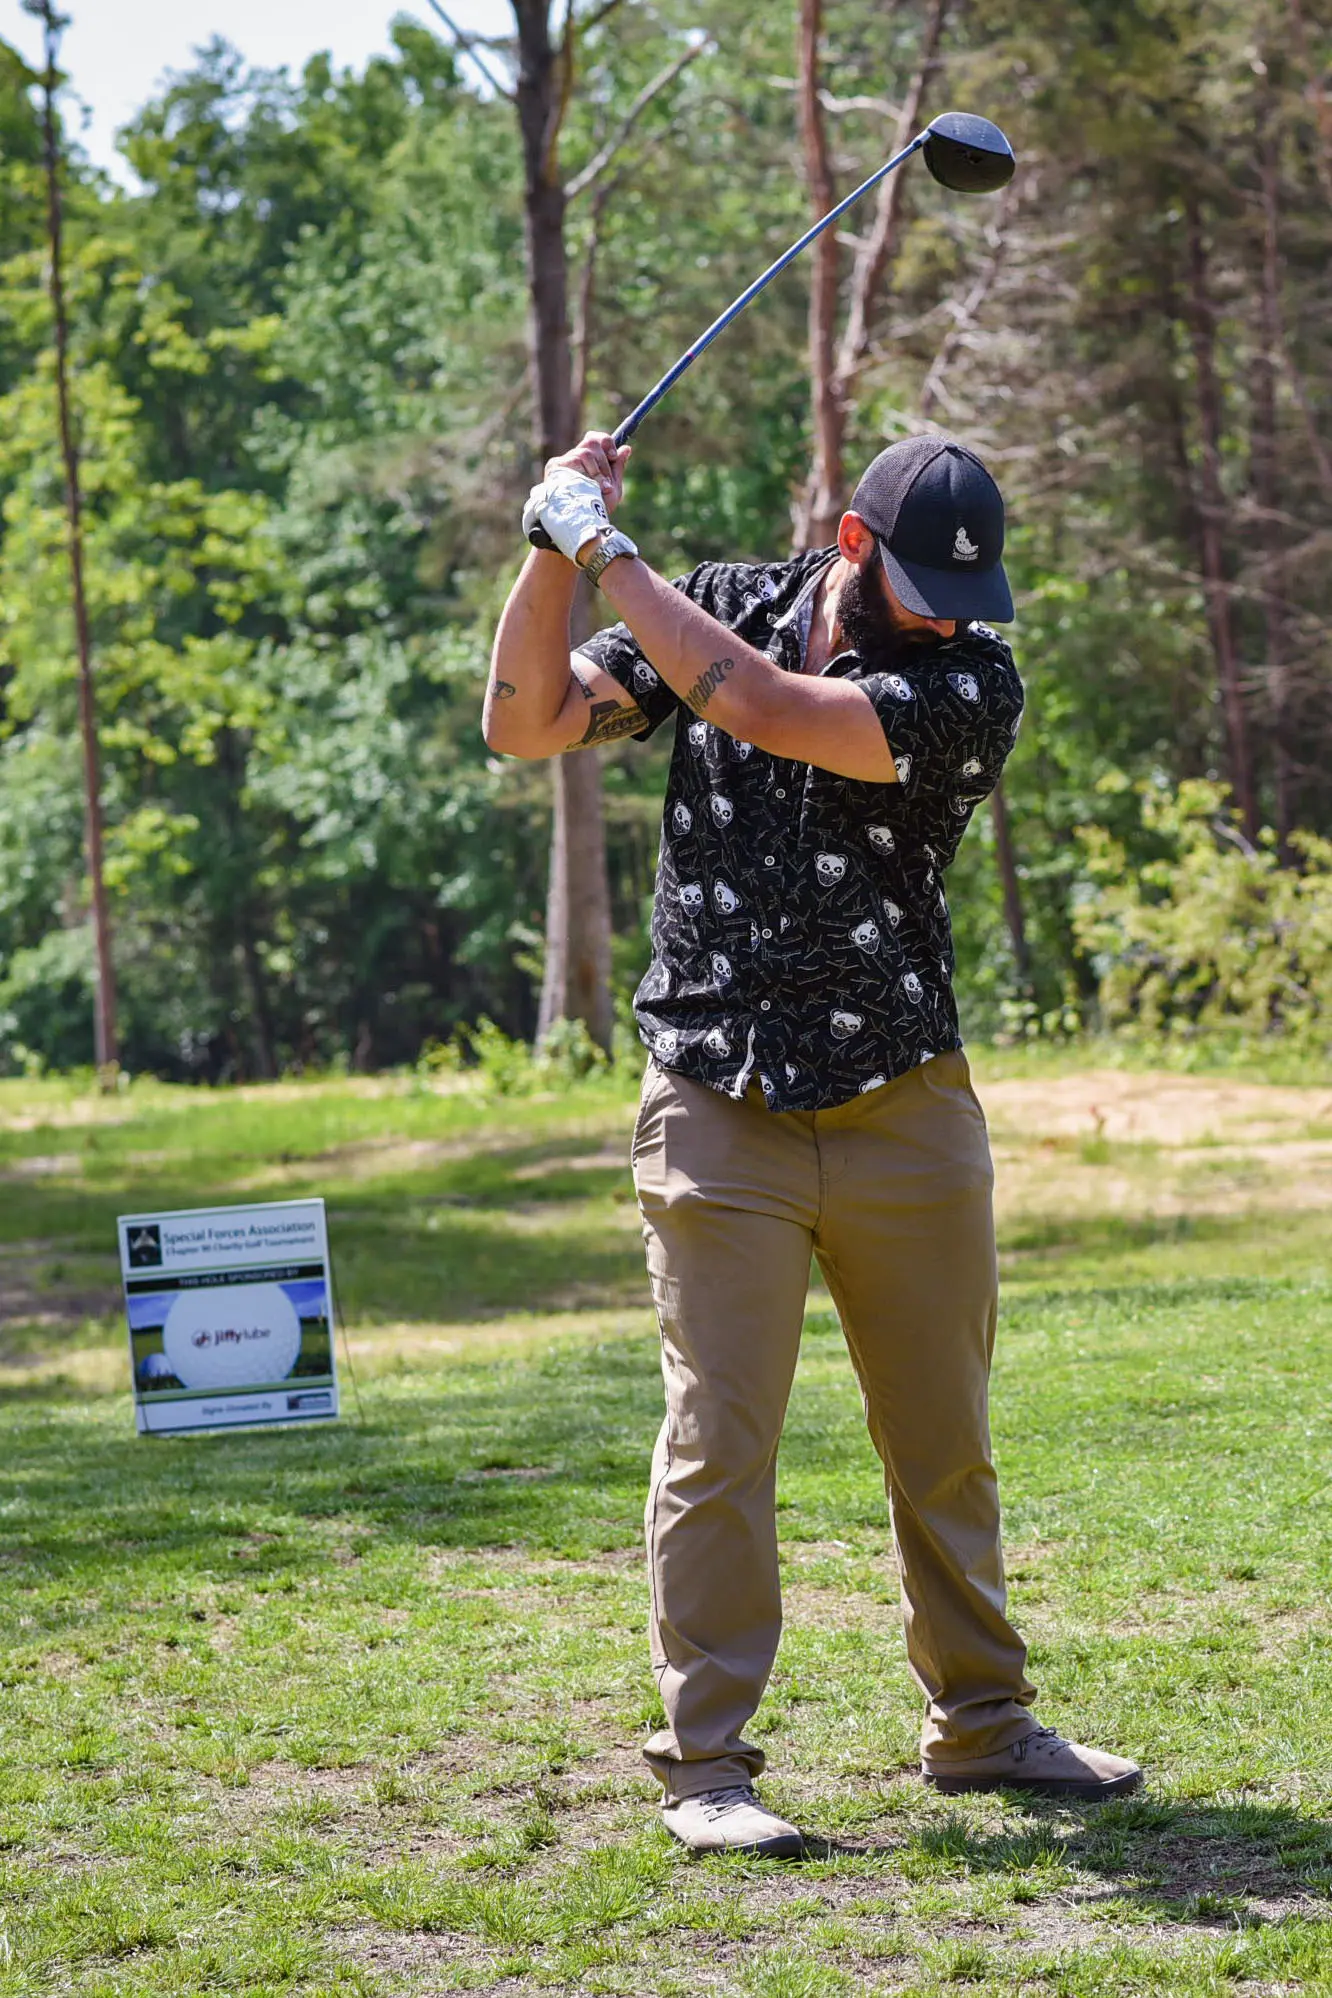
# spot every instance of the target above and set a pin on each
(1239, 1606)
(21, 1308)
(392, 1346)
(74, 1113)
(1168, 1186)
(414, 1956)
(894, 1926)
(43, 1165)
(526, 1567)
(374, 1158)
(387, 1156)
(612, 1157)
(27, 1363)
(91, 1370)
(1153, 1108)
(830, 1606)
(463, 1803)
(540, 1217)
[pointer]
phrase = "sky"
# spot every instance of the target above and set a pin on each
(116, 51)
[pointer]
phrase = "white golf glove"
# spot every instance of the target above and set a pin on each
(570, 508)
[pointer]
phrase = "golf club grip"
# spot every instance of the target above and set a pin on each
(539, 537)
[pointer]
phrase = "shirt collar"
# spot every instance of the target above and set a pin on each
(807, 588)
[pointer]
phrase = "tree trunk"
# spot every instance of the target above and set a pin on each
(1265, 458)
(577, 971)
(970, 307)
(261, 1015)
(240, 915)
(1006, 860)
(1315, 91)
(827, 482)
(1212, 513)
(821, 507)
(932, 392)
(106, 1047)
(576, 981)
(881, 242)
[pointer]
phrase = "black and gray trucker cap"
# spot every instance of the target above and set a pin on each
(938, 518)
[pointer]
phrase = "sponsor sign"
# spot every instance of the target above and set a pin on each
(230, 1314)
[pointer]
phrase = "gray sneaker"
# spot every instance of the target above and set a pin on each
(731, 1820)
(1043, 1764)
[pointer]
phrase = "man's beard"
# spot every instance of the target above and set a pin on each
(868, 624)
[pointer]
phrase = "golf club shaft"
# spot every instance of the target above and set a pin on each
(625, 430)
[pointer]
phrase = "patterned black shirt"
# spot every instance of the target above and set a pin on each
(800, 929)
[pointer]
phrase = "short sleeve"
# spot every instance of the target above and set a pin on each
(617, 652)
(952, 723)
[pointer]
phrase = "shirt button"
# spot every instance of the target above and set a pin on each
(769, 860)
(765, 1005)
(768, 934)
(781, 794)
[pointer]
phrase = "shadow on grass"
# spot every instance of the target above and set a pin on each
(1126, 1299)
(531, 1226)
(565, 1165)
(446, 1466)
(1183, 1861)
(1032, 1239)
(582, 1413)
(456, 1240)
(1033, 1233)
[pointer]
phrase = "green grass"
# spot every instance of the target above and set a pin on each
(358, 1710)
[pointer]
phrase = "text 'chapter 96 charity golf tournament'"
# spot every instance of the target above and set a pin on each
(665, 701)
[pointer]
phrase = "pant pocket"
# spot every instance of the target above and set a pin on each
(647, 1124)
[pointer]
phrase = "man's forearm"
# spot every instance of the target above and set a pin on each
(529, 662)
(714, 672)
(827, 721)
(808, 719)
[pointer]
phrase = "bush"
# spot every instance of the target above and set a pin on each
(1216, 936)
(46, 1004)
(504, 1067)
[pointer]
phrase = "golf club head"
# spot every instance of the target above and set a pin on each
(968, 154)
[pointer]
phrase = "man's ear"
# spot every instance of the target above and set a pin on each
(855, 540)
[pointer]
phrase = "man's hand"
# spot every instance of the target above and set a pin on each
(597, 457)
(574, 501)
(569, 506)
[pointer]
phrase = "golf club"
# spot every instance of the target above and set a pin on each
(962, 151)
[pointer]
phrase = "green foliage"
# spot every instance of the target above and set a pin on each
(45, 995)
(299, 353)
(1213, 935)
(502, 1066)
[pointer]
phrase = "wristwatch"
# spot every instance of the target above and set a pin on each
(610, 543)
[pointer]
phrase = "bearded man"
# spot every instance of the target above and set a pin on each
(839, 717)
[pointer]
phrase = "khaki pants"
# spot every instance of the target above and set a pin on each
(892, 1193)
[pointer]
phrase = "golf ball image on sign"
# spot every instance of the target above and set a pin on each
(230, 1316)
(232, 1335)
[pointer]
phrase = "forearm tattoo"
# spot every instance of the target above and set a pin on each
(607, 722)
(707, 684)
(503, 690)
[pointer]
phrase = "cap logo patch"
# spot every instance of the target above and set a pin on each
(964, 548)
